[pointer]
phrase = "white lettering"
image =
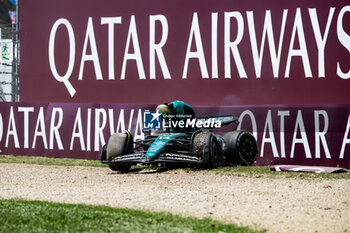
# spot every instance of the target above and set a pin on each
(99, 138)
(320, 136)
(282, 114)
(78, 134)
(139, 125)
(26, 111)
(231, 46)
(190, 123)
(40, 133)
(111, 21)
(214, 45)
(344, 39)
(267, 31)
(1, 128)
(321, 42)
(157, 48)
(346, 140)
(299, 124)
(11, 130)
(71, 60)
(132, 35)
(298, 30)
(54, 128)
(90, 38)
(88, 130)
(268, 127)
(199, 53)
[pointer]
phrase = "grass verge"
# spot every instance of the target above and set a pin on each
(37, 216)
(241, 171)
(50, 161)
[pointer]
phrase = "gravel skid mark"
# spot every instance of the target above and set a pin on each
(276, 204)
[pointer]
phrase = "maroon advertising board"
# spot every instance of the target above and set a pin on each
(204, 52)
(318, 135)
(89, 69)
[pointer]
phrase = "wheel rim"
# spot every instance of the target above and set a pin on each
(248, 148)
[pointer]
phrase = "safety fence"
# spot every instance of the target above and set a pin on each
(9, 62)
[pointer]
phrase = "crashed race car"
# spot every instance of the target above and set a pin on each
(195, 146)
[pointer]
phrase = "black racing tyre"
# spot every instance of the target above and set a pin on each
(241, 147)
(119, 144)
(214, 151)
(204, 146)
(119, 167)
(103, 155)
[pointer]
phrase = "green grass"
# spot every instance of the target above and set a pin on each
(241, 171)
(50, 161)
(36, 216)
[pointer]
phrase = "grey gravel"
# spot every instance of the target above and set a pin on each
(276, 204)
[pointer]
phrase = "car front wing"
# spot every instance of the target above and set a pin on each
(140, 157)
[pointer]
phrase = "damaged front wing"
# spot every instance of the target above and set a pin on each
(167, 157)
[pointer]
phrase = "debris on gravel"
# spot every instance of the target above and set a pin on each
(276, 204)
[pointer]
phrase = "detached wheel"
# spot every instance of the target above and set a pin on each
(204, 147)
(118, 145)
(241, 147)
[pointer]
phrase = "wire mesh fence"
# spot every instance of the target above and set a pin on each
(9, 61)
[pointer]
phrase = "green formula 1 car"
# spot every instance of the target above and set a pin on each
(196, 145)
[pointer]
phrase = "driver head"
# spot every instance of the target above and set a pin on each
(163, 109)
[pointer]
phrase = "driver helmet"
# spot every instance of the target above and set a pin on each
(163, 109)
